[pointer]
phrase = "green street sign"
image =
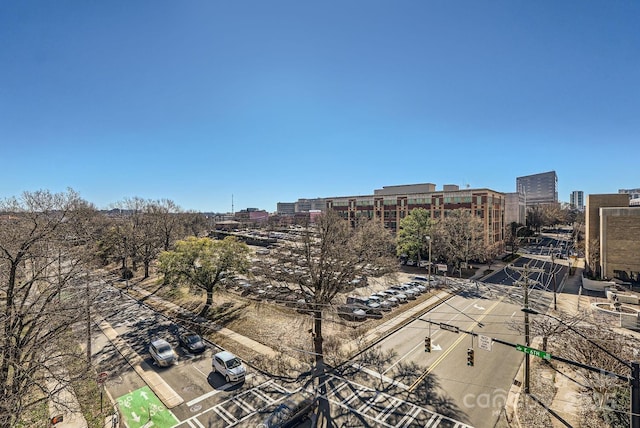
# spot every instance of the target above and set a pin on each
(141, 408)
(534, 352)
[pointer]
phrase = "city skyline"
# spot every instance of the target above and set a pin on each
(206, 102)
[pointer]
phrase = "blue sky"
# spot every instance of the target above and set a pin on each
(268, 101)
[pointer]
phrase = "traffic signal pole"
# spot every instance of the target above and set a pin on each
(633, 379)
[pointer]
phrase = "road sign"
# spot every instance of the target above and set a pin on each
(449, 327)
(441, 267)
(534, 352)
(102, 377)
(484, 342)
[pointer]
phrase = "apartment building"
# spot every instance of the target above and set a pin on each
(634, 194)
(391, 204)
(576, 200)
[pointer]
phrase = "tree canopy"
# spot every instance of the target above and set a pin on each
(201, 263)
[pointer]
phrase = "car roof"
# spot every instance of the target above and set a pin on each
(225, 356)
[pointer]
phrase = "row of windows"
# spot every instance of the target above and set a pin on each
(417, 202)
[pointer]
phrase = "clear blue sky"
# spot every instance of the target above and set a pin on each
(268, 101)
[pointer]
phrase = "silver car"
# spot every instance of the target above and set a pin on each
(384, 304)
(162, 353)
(229, 366)
(411, 294)
(402, 298)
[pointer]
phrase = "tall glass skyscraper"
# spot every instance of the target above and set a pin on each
(539, 188)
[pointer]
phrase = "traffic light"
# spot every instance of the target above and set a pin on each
(470, 357)
(427, 344)
(57, 419)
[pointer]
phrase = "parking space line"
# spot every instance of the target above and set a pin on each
(203, 397)
(211, 393)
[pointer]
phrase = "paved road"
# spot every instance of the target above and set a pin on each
(204, 399)
(441, 379)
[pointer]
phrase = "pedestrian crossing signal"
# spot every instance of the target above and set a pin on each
(470, 357)
(427, 344)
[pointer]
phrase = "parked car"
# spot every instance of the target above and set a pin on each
(411, 295)
(419, 285)
(191, 342)
(385, 305)
(352, 312)
(229, 366)
(162, 352)
(296, 408)
(364, 301)
(402, 298)
(414, 288)
(389, 297)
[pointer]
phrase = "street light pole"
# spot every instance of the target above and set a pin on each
(428, 238)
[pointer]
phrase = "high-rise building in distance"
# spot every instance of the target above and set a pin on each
(538, 188)
(576, 200)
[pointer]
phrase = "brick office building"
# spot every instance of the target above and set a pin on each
(391, 204)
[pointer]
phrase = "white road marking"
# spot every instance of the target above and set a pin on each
(380, 376)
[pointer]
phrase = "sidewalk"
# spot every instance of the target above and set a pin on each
(564, 407)
(66, 405)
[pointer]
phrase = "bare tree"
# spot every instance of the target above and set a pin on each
(194, 223)
(593, 264)
(548, 327)
(607, 398)
(328, 256)
(43, 262)
(166, 215)
(459, 237)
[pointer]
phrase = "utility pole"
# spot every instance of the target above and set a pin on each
(525, 271)
(635, 395)
(88, 297)
(553, 272)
